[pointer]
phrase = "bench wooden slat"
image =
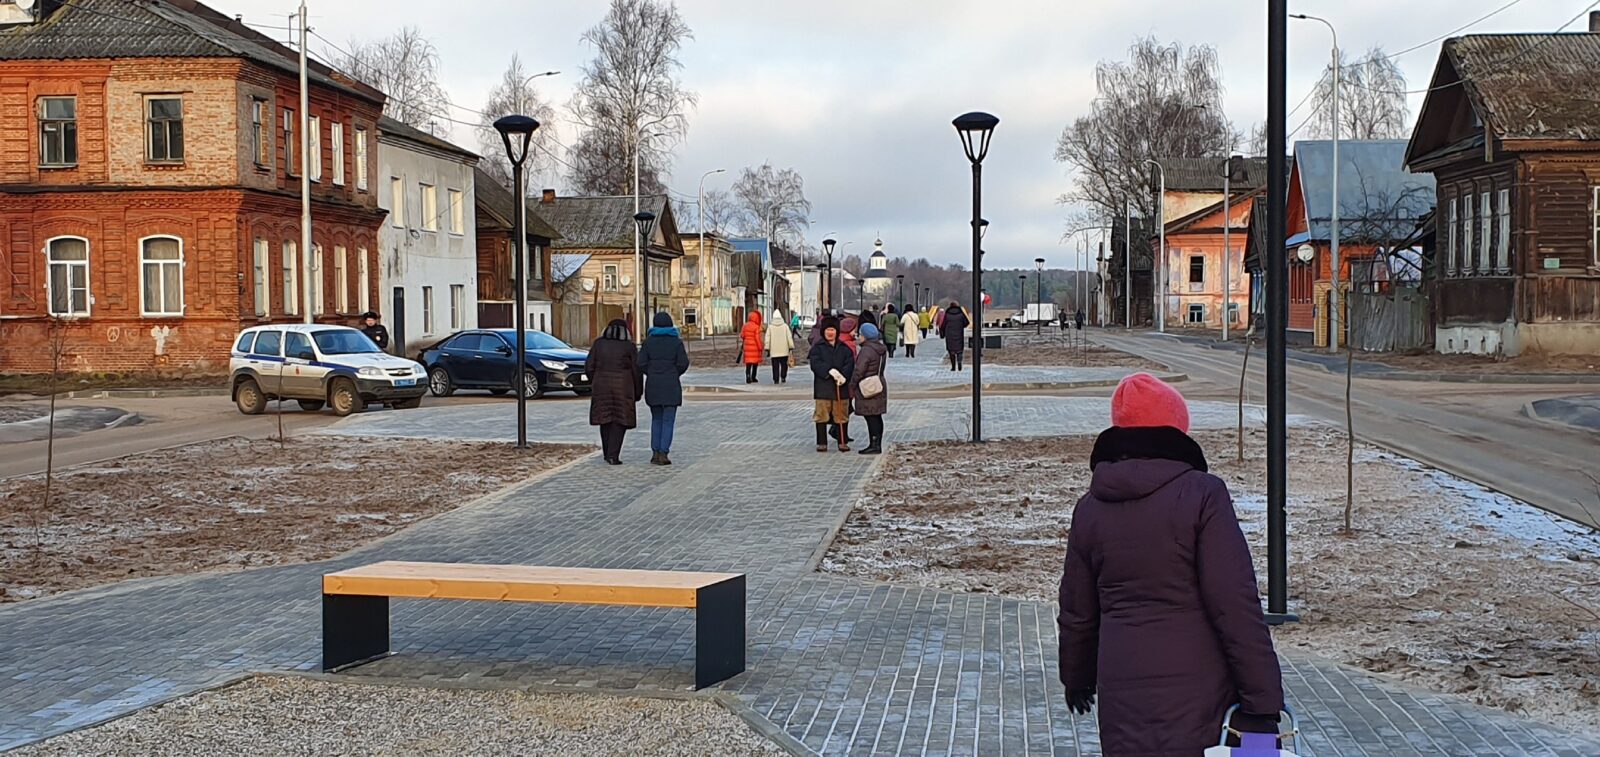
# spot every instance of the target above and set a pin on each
(518, 583)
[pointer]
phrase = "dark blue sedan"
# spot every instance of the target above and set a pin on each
(482, 359)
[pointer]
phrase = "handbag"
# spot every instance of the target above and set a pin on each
(872, 386)
(1254, 744)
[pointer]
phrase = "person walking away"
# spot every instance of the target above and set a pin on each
(374, 330)
(750, 339)
(871, 397)
(890, 328)
(831, 366)
(955, 333)
(662, 362)
(780, 343)
(925, 321)
(1160, 615)
(910, 332)
(615, 387)
(1061, 320)
(1078, 318)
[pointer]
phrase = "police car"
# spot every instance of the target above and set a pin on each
(319, 366)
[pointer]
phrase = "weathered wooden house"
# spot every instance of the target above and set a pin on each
(1511, 131)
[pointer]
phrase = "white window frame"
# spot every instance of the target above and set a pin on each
(691, 315)
(1594, 247)
(260, 127)
(1503, 249)
(314, 151)
(610, 277)
(291, 277)
(150, 131)
(318, 288)
(1451, 267)
(341, 280)
(397, 202)
(60, 130)
(537, 264)
(289, 166)
(430, 206)
(458, 306)
(1486, 227)
(361, 160)
(427, 311)
(336, 138)
(69, 265)
(1467, 264)
(261, 282)
(1188, 316)
(161, 265)
(363, 300)
(458, 211)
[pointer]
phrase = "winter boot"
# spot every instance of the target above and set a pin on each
(665, 460)
(822, 437)
(874, 447)
(656, 458)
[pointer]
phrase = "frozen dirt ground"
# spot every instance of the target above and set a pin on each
(237, 503)
(1443, 584)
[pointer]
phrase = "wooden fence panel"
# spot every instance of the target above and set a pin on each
(1389, 321)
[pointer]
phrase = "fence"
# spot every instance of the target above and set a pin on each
(1385, 321)
(580, 325)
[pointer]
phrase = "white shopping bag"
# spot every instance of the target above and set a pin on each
(1253, 744)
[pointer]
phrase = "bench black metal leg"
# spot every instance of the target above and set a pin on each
(354, 630)
(719, 632)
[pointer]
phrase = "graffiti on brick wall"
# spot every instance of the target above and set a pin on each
(160, 334)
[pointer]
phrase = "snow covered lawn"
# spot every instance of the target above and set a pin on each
(1443, 584)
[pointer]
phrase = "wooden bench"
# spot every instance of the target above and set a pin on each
(355, 603)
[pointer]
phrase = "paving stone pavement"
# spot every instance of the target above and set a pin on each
(842, 665)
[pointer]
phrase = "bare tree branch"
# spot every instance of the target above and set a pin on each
(404, 66)
(1372, 100)
(516, 95)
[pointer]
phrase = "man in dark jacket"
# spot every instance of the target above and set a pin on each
(662, 362)
(1078, 318)
(954, 331)
(374, 330)
(832, 362)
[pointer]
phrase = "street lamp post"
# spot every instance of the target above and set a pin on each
(975, 130)
(900, 289)
(1158, 270)
(700, 209)
(645, 221)
(517, 132)
(1277, 315)
(916, 295)
(1333, 293)
(1038, 290)
(827, 279)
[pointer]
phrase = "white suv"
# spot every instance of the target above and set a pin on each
(320, 365)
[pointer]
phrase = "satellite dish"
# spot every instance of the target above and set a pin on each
(1306, 253)
(26, 5)
(588, 285)
(626, 281)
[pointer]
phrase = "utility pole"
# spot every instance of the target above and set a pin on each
(1277, 316)
(639, 280)
(1227, 248)
(305, 175)
(1127, 262)
(1158, 269)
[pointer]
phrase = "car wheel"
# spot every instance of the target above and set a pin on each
(311, 406)
(439, 383)
(532, 387)
(344, 398)
(408, 404)
(499, 392)
(249, 398)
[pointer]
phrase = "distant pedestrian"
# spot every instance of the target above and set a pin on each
(954, 329)
(1061, 318)
(374, 330)
(867, 316)
(890, 328)
(615, 387)
(662, 362)
(938, 323)
(871, 397)
(910, 333)
(925, 321)
(750, 344)
(1160, 613)
(831, 365)
(780, 343)
(1078, 318)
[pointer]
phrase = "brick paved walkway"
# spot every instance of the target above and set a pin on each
(842, 665)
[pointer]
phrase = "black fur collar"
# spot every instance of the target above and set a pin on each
(1147, 443)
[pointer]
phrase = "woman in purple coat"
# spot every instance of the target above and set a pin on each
(1160, 615)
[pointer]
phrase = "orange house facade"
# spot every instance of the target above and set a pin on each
(1201, 270)
(149, 188)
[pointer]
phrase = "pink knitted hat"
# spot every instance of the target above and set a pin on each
(1142, 400)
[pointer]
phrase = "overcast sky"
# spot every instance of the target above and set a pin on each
(858, 94)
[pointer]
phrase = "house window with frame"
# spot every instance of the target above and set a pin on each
(1197, 273)
(164, 125)
(68, 280)
(691, 316)
(258, 277)
(1594, 206)
(259, 124)
(1196, 315)
(1486, 221)
(458, 212)
(1451, 267)
(1502, 263)
(291, 278)
(397, 202)
(1467, 264)
(427, 310)
(341, 281)
(336, 137)
(318, 291)
(363, 300)
(314, 148)
(430, 207)
(288, 143)
(361, 160)
(537, 264)
(1233, 312)
(458, 306)
(161, 276)
(608, 274)
(58, 132)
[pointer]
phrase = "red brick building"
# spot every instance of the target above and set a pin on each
(149, 186)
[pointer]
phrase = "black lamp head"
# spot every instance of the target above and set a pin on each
(983, 227)
(975, 129)
(517, 133)
(827, 246)
(646, 221)
(1038, 263)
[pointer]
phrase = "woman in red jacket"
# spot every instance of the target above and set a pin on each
(750, 339)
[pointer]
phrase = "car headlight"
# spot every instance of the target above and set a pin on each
(553, 365)
(370, 371)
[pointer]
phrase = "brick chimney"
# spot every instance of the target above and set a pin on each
(1594, 22)
(548, 197)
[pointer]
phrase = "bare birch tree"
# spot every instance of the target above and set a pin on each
(720, 213)
(630, 98)
(1372, 99)
(516, 95)
(772, 204)
(404, 66)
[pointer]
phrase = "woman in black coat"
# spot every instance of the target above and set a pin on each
(613, 369)
(955, 333)
(662, 361)
(832, 362)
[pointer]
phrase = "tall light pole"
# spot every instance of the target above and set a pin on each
(700, 209)
(1038, 297)
(976, 129)
(1159, 280)
(645, 222)
(900, 289)
(1127, 262)
(517, 132)
(1277, 315)
(1228, 167)
(1333, 293)
(306, 289)
(827, 279)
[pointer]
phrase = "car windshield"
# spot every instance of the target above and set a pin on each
(537, 340)
(344, 342)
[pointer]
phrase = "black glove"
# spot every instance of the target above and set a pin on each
(1080, 700)
(1245, 722)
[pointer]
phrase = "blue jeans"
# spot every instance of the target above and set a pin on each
(662, 419)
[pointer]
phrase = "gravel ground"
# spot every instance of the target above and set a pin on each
(275, 716)
(236, 503)
(1443, 584)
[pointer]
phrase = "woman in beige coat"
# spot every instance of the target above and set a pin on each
(780, 342)
(910, 333)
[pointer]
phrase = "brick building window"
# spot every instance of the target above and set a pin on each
(259, 139)
(458, 306)
(361, 160)
(336, 136)
(68, 281)
(288, 142)
(58, 131)
(164, 124)
(458, 212)
(319, 304)
(291, 278)
(362, 282)
(430, 207)
(341, 281)
(314, 150)
(161, 275)
(259, 277)
(427, 310)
